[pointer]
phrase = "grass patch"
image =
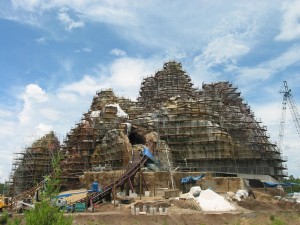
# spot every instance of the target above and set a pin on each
(276, 221)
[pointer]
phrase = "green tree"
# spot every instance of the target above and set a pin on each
(296, 181)
(3, 188)
(52, 182)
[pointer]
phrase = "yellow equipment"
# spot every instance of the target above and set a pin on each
(3, 202)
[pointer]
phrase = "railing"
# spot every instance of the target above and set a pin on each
(258, 170)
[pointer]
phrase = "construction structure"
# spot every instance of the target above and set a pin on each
(102, 127)
(287, 98)
(212, 129)
(208, 130)
(33, 164)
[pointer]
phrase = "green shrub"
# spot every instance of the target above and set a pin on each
(4, 218)
(46, 214)
(16, 221)
(276, 221)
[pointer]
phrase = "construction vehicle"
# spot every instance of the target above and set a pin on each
(24, 205)
(4, 201)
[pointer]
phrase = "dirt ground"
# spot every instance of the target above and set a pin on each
(264, 210)
(190, 217)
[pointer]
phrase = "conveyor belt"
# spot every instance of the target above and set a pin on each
(29, 192)
(130, 173)
(96, 197)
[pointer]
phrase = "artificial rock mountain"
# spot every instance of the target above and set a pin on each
(207, 130)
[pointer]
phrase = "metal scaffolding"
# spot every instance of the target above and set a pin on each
(212, 129)
(31, 165)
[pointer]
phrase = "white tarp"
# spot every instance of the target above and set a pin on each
(120, 112)
(296, 195)
(241, 194)
(191, 193)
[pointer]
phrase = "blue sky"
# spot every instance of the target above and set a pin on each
(55, 54)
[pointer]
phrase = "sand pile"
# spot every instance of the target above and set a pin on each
(76, 195)
(211, 201)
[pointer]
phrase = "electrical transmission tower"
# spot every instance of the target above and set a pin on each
(287, 98)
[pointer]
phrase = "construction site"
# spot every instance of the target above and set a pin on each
(31, 165)
(146, 146)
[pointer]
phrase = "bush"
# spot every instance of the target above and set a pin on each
(4, 218)
(16, 221)
(276, 221)
(46, 214)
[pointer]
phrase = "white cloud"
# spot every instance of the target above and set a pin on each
(158, 25)
(230, 39)
(44, 128)
(269, 113)
(69, 23)
(29, 5)
(290, 26)
(67, 96)
(223, 50)
(87, 50)
(35, 93)
(51, 114)
(124, 75)
(268, 69)
(32, 97)
(9, 126)
(41, 40)
(126, 72)
(287, 58)
(175, 53)
(247, 75)
(36, 132)
(200, 73)
(5, 113)
(117, 52)
(88, 85)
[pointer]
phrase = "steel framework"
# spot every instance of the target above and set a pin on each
(287, 98)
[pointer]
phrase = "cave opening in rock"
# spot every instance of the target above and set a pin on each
(136, 138)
